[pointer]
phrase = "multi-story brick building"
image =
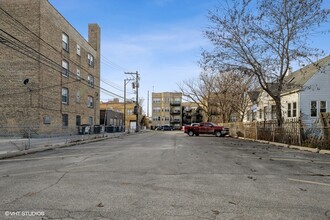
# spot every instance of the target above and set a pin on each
(167, 109)
(50, 75)
(130, 117)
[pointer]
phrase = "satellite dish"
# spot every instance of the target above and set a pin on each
(26, 81)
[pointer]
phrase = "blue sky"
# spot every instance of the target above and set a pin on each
(162, 39)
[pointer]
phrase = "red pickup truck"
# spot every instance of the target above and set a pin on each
(205, 128)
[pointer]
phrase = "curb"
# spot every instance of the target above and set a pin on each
(312, 150)
(41, 149)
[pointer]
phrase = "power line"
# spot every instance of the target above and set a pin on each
(52, 47)
(30, 52)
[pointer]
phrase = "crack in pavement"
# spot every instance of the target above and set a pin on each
(34, 193)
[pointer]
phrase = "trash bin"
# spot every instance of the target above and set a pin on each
(84, 129)
(109, 129)
(97, 129)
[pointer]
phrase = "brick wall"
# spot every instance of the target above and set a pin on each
(23, 105)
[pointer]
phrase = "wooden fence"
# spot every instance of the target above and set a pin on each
(293, 132)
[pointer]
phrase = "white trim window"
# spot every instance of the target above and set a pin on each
(65, 42)
(78, 96)
(289, 110)
(90, 80)
(78, 49)
(294, 109)
(313, 108)
(65, 68)
(90, 102)
(323, 106)
(78, 74)
(65, 95)
(90, 59)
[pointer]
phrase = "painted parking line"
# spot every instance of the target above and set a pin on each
(310, 182)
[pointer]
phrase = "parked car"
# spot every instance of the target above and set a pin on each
(167, 128)
(206, 128)
(164, 128)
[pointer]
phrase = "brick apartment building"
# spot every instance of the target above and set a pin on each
(167, 109)
(130, 117)
(50, 75)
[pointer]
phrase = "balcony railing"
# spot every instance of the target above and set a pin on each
(176, 112)
(175, 103)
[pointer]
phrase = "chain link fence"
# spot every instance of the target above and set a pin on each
(19, 138)
(293, 132)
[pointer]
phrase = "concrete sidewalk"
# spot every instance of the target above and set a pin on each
(12, 147)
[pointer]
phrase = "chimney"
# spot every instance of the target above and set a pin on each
(94, 36)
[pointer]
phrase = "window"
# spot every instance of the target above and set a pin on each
(260, 114)
(78, 49)
(90, 59)
(323, 106)
(65, 95)
(129, 112)
(65, 120)
(313, 109)
(78, 74)
(90, 80)
(289, 110)
(156, 100)
(47, 120)
(78, 120)
(90, 120)
(156, 109)
(248, 115)
(65, 42)
(294, 109)
(65, 68)
(273, 112)
(265, 113)
(78, 96)
(90, 102)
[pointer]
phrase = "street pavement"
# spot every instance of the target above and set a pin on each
(166, 175)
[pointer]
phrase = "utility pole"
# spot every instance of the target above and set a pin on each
(136, 108)
(124, 121)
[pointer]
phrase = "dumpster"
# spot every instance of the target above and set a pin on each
(84, 129)
(97, 129)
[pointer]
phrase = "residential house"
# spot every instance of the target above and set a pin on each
(305, 96)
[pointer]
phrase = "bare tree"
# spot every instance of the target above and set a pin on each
(199, 91)
(262, 38)
(231, 90)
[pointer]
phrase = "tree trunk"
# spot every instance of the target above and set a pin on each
(279, 117)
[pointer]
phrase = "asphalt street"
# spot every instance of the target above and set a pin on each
(166, 175)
